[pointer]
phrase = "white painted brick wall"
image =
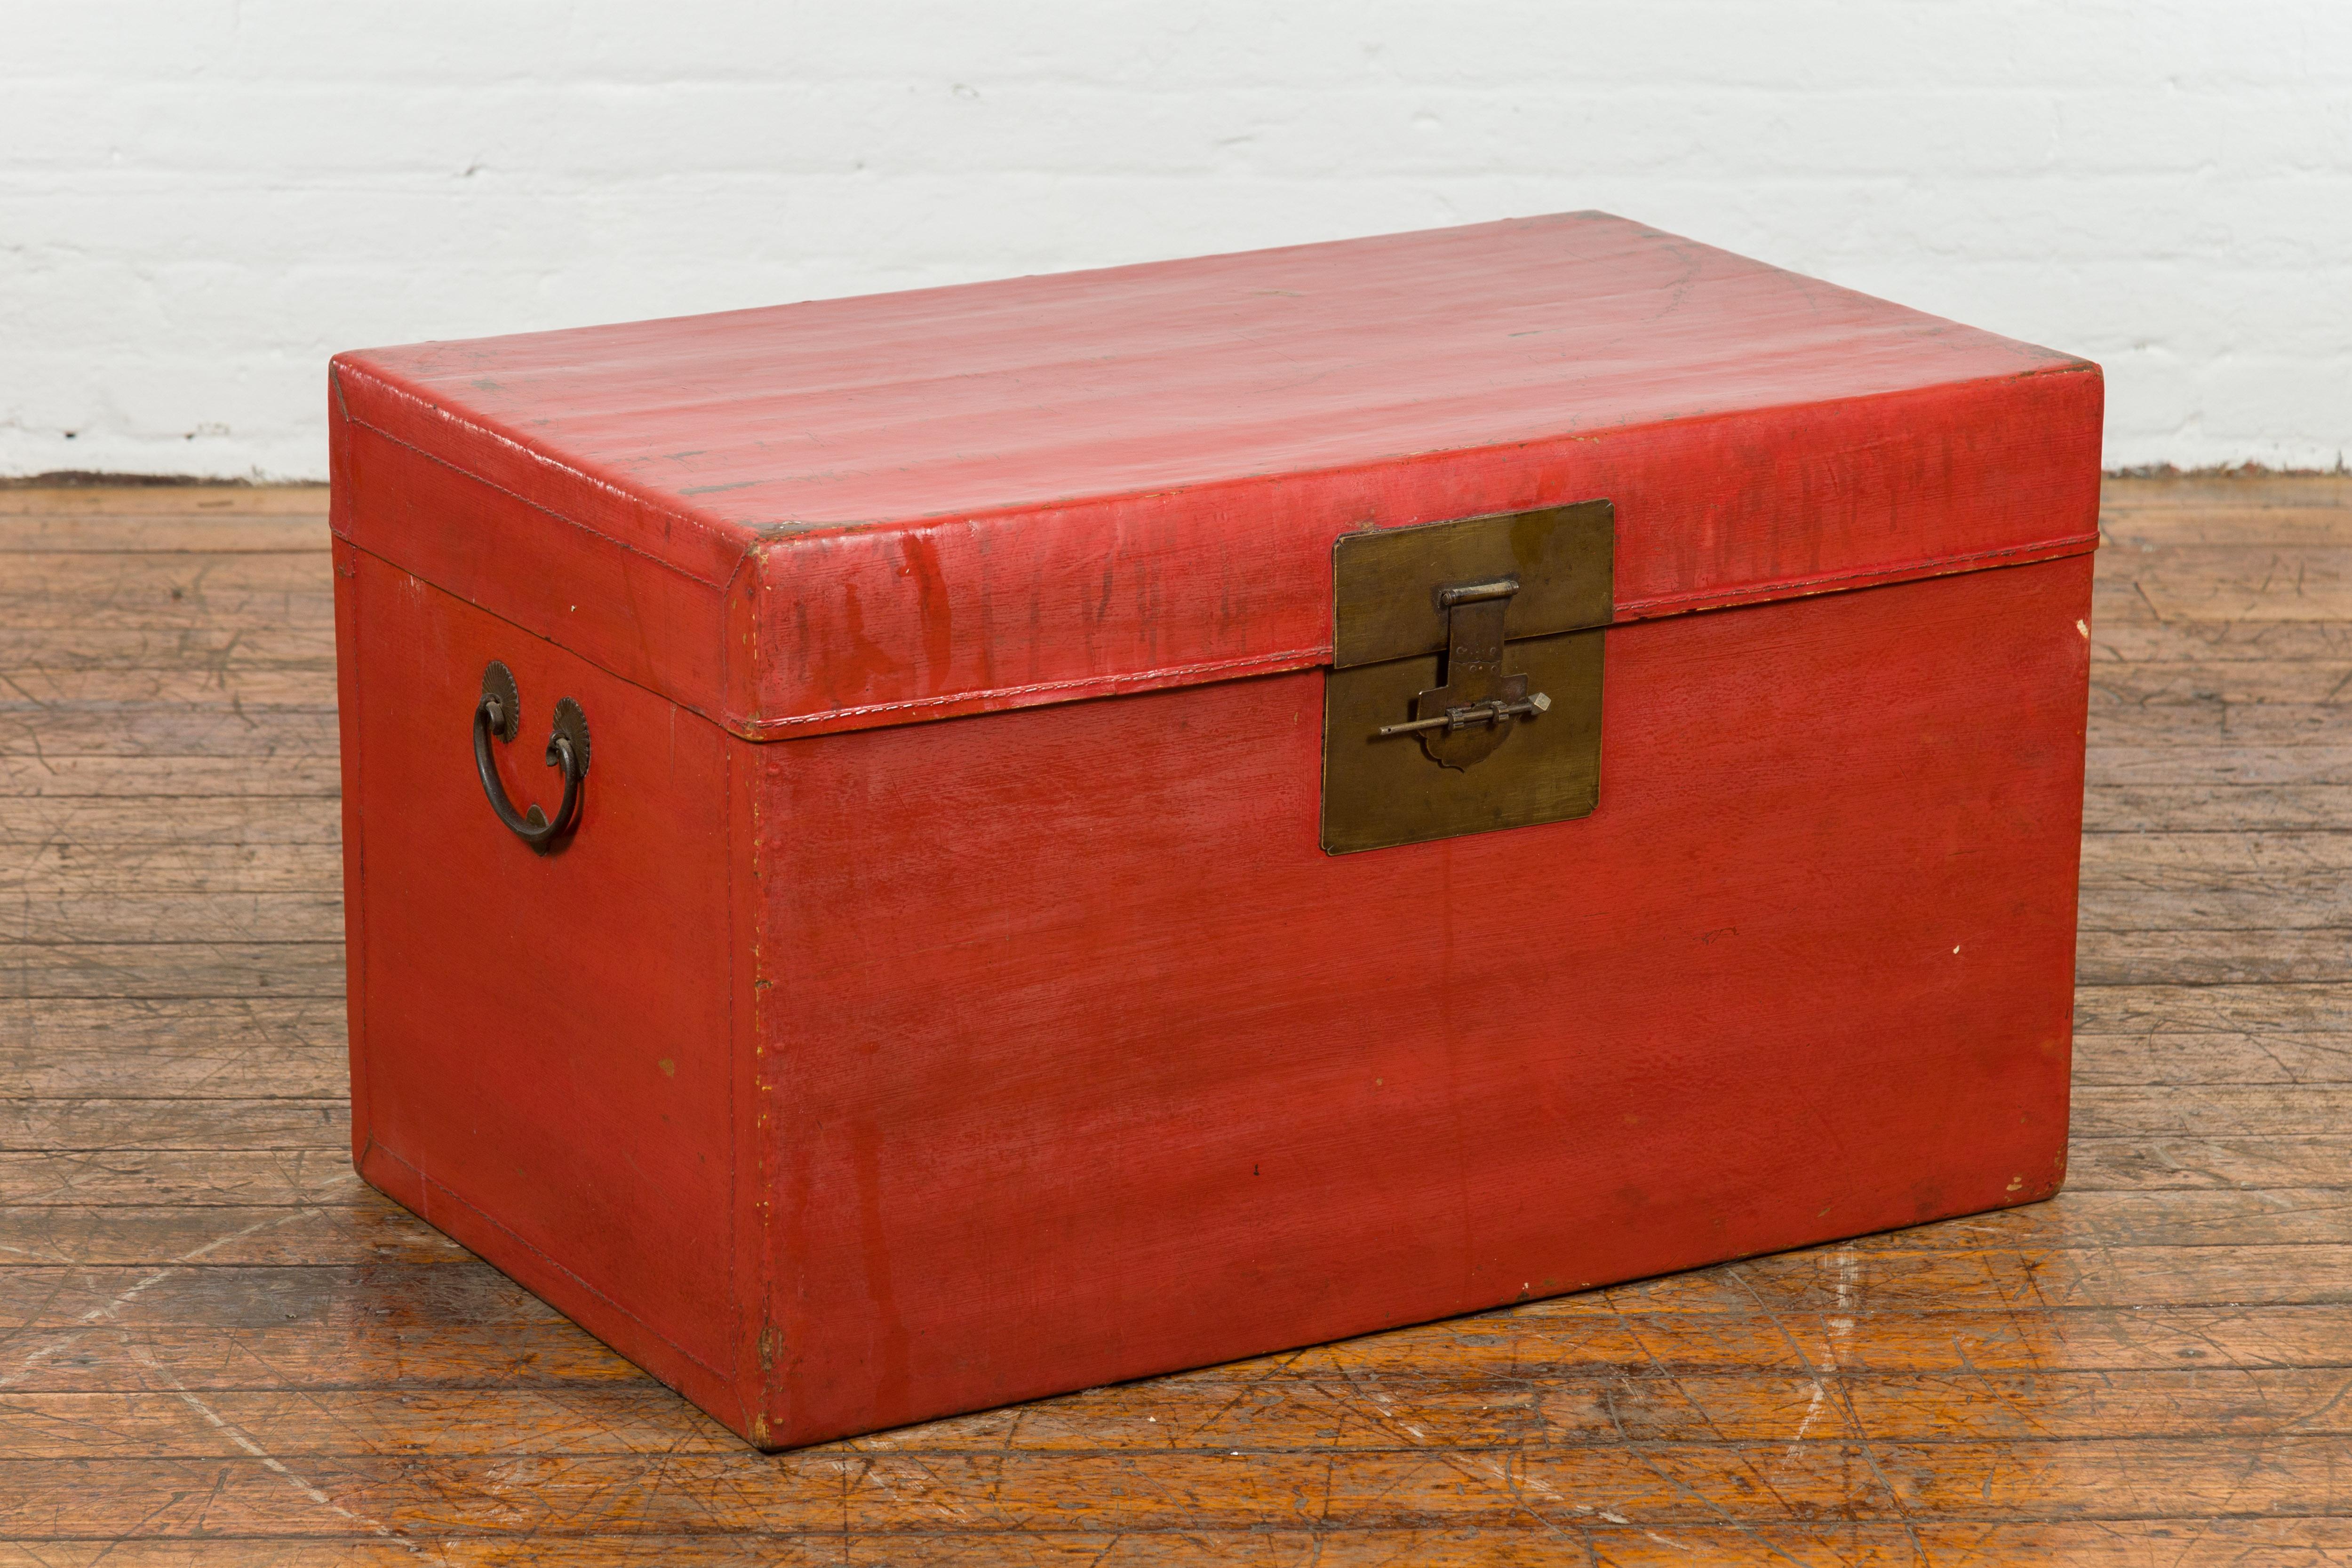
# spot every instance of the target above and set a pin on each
(200, 199)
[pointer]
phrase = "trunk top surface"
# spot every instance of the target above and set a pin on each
(907, 506)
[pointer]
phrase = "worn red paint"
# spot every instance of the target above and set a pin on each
(1043, 1047)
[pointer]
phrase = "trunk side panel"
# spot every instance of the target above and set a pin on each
(546, 1044)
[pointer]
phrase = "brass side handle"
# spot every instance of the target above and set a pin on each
(499, 713)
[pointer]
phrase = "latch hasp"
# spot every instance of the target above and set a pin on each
(1395, 593)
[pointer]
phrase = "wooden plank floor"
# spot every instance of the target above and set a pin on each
(219, 1347)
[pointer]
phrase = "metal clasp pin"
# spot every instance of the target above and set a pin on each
(1455, 718)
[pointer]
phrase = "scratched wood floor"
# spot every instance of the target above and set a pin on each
(218, 1346)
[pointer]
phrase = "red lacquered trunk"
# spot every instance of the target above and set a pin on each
(944, 994)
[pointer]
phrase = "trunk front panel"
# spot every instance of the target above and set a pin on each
(1091, 1063)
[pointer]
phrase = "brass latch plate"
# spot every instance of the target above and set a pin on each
(1464, 693)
